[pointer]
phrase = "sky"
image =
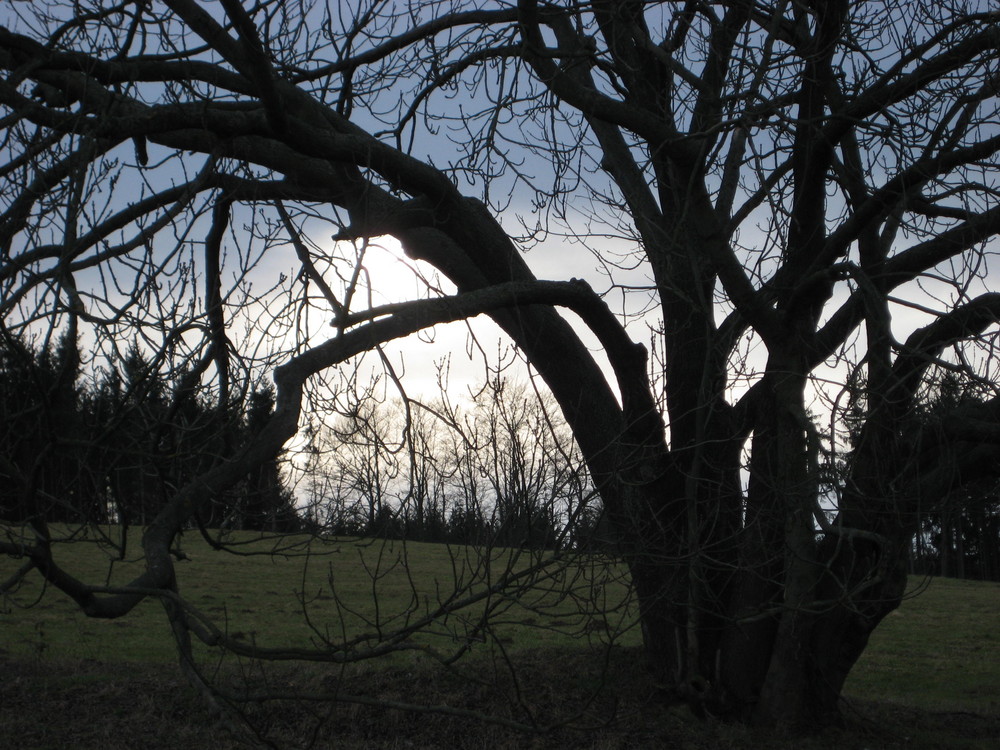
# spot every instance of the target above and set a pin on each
(555, 258)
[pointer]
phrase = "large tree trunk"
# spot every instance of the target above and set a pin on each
(769, 636)
(765, 673)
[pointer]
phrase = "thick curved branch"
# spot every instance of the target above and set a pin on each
(925, 345)
(902, 268)
(908, 182)
(49, 66)
(381, 325)
(892, 87)
(394, 321)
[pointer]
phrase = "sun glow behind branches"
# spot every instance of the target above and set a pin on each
(384, 275)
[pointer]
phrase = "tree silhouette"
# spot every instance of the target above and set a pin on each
(793, 190)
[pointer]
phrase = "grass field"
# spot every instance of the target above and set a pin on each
(930, 678)
(292, 592)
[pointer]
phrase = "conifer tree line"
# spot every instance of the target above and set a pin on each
(960, 538)
(957, 535)
(112, 445)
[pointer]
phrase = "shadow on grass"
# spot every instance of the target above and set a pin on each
(48, 704)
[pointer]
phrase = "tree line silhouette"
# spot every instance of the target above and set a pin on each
(960, 537)
(110, 445)
(84, 443)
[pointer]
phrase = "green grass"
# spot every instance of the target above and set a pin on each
(939, 651)
(308, 594)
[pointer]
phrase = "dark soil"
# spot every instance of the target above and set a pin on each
(82, 705)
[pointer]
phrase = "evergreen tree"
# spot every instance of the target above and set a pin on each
(115, 449)
(263, 503)
(42, 443)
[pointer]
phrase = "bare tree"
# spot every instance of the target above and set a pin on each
(367, 464)
(531, 468)
(796, 190)
(500, 466)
